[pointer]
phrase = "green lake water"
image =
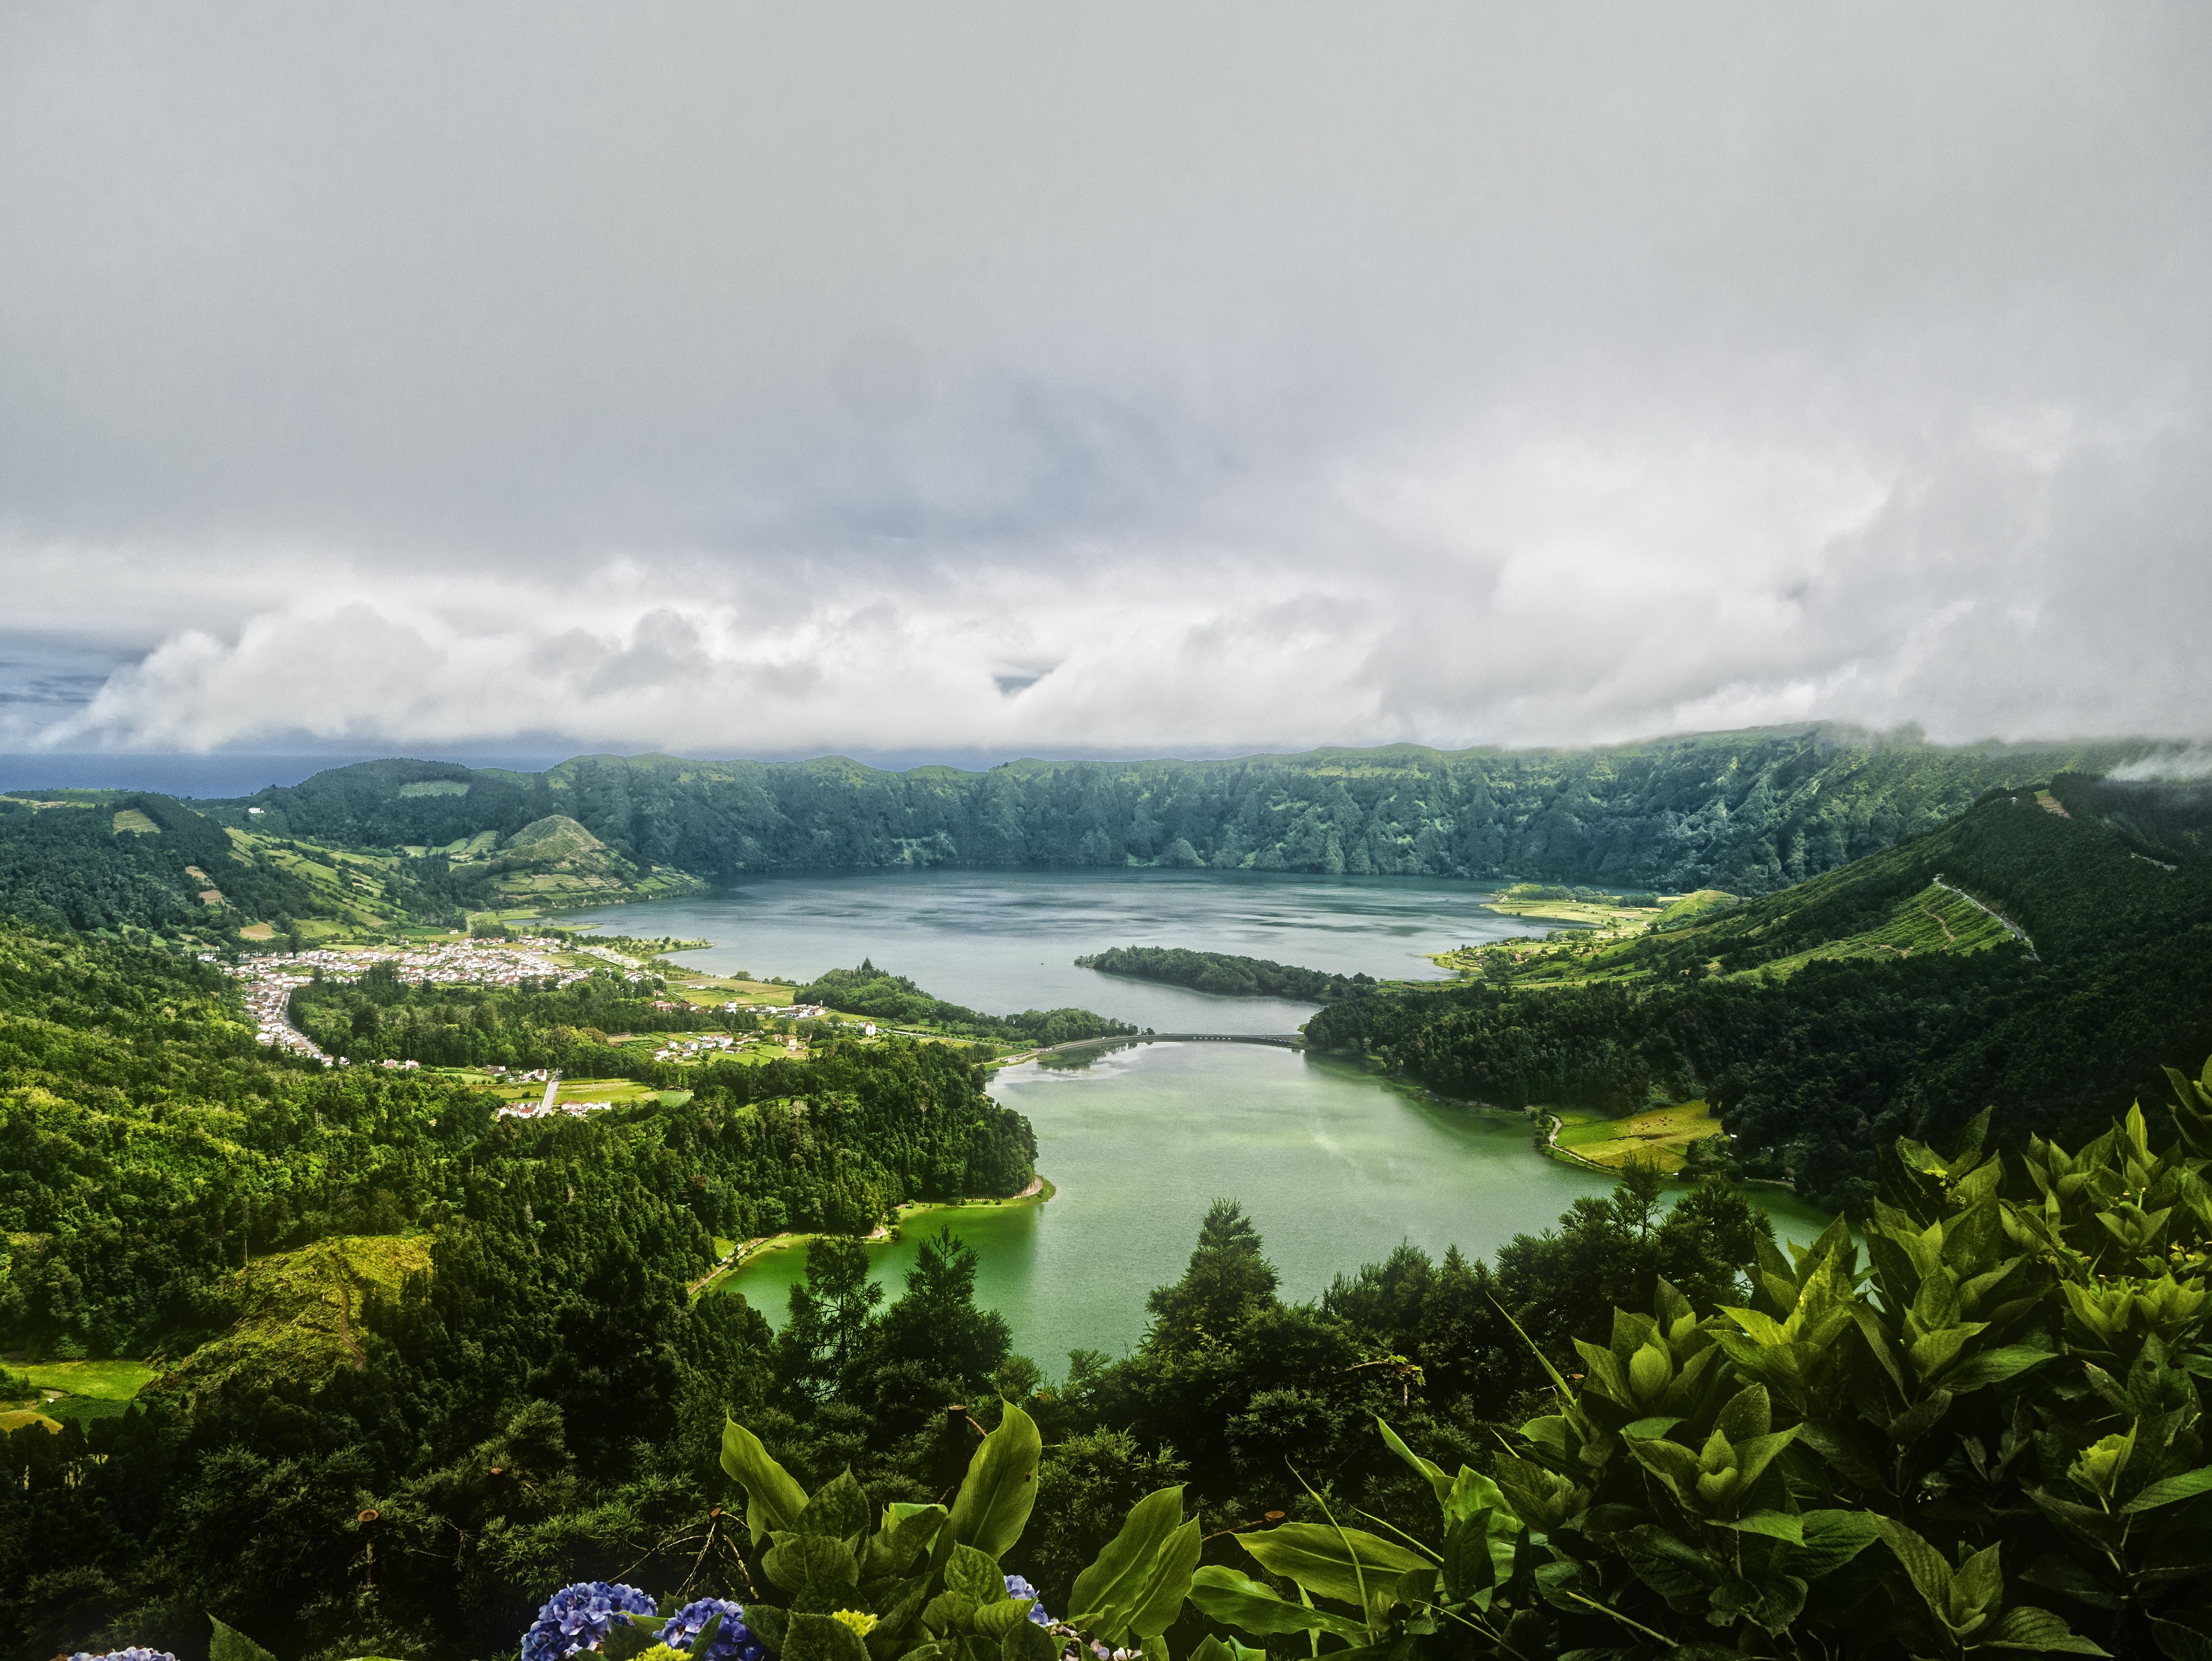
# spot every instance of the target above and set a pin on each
(1335, 1166)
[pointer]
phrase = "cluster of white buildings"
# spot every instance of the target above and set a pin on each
(544, 1111)
(265, 1001)
(692, 1049)
(271, 980)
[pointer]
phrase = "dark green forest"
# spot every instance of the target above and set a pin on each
(1747, 811)
(1815, 1070)
(1225, 974)
(69, 867)
(442, 1024)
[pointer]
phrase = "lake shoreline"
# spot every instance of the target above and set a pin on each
(751, 1251)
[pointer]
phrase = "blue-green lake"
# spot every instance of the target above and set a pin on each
(1335, 1165)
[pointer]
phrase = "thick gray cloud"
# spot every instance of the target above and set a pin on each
(753, 379)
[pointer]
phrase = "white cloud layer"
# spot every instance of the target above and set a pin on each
(976, 378)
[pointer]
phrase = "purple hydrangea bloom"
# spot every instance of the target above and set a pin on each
(733, 1639)
(134, 1653)
(579, 1617)
(1017, 1587)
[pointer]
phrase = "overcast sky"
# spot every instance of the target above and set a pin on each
(1001, 380)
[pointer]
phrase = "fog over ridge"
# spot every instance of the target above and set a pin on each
(727, 381)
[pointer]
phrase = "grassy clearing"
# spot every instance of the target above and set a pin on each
(131, 821)
(1663, 1133)
(1934, 921)
(298, 1312)
(106, 1381)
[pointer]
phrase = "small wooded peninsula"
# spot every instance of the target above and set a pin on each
(1223, 973)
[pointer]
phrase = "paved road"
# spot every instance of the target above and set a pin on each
(2018, 933)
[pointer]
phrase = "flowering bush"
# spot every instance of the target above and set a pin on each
(134, 1653)
(1017, 1587)
(733, 1640)
(579, 1617)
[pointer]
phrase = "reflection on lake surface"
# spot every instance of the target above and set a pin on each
(1007, 941)
(1335, 1166)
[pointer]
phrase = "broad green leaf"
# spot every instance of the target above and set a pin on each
(1756, 1453)
(838, 1509)
(1227, 1648)
(773, 1501)
(1675, 1570)
(1429, 1471)
(1167, 1585)
(2180, 1643)
(995, 1620)
(1345, 1564)
(974, 1576)
(627, 1639)
(1107, 1592)
(2187, 1485)
(229, 1643)
(1994, 1366)
(768, 1623)
(1473, 1492)
(1931, 1574)
(1540, 1497)
(2102, 1530)
(949, 1612)
(1932, 1354)
(904, 1531)
(2064, 1574)
(1025, 1640)
(2037, 1631)
(1978, 1584)
(812, 1565)
(1774, 1525)
(1833, 1538)
(1236, 1600)
(818, 1637)
(1470, 1556)
(993, 1507)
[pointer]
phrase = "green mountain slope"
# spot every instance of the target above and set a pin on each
(1745, 811)
(1864, 1004)
(117, 861)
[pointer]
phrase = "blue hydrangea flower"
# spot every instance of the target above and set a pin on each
(1017, 1587)
(579, 1617)
(134, 1653)
(733, 1639)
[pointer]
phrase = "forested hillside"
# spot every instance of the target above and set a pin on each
(1747, 812)
(166, 1184)
(144, 861)
(1818, 1040)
